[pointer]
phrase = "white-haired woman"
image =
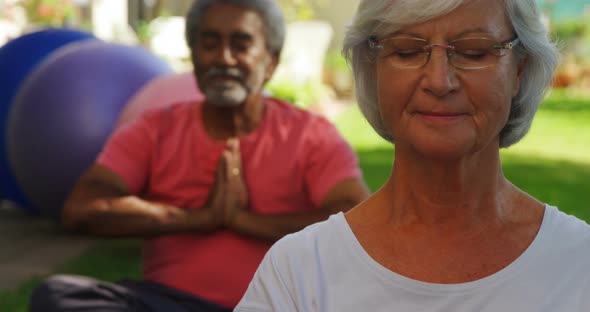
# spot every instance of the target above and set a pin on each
(450, 83)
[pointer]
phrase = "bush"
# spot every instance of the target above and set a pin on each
(308, 95)
(338, 74)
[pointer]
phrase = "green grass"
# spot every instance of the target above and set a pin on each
(110, 260)
(552, 163)
(560, 131)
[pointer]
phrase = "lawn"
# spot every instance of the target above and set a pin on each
(552, 163)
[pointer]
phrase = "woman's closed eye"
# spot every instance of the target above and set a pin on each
(472, 53)
(408, 53)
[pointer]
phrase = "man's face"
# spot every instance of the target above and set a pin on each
(230, 56)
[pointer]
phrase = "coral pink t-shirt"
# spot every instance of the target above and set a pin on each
(290, 162)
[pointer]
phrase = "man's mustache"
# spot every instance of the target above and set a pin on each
(232, 72)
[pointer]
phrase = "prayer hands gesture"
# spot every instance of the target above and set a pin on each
(229, 196)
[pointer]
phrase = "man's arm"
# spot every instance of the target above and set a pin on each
(342, 197)
(101, 204)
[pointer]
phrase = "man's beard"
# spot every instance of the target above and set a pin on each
(229, 92)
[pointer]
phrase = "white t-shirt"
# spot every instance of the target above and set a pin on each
(324, 268)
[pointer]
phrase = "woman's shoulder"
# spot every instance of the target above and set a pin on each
(304, 263)
(324, 232)
(298, 268)
(323, 240)
(566, 223)
(566, 232)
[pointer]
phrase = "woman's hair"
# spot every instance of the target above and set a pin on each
(382, 17)
(269, 11)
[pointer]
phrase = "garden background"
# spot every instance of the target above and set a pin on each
(552, 163)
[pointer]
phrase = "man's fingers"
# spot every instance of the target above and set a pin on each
(221, 172)
(234, 145)
(229, 164)
(233, 157)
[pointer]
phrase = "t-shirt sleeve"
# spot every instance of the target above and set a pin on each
(585, 304)
(269, 290)
(329, 159)
(127, 151)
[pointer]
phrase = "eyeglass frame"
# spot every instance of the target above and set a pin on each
(427, 49)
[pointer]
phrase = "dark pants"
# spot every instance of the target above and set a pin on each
(83, 294)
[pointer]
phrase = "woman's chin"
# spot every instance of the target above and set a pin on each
(446, 150)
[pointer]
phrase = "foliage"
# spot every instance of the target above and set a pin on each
(573, 39)
(335, 61)
(297, 10)
(569, 29)
(51, 12)
(308, 94)
(568, 33)
(338, 74)
(143, 32)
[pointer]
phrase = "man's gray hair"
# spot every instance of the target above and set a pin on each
(269, 11)
(382, 17)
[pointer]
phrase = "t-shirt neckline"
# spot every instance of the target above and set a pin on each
(199, 127)
(395, 279)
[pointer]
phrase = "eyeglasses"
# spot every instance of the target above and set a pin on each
(464, 53)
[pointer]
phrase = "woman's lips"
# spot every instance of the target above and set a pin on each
(442, 116)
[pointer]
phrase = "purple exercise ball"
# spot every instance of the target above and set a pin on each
(18, 58)
(66, 110)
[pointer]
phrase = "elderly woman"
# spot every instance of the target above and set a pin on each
(450, 83)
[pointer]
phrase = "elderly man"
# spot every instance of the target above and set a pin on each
(209, 185)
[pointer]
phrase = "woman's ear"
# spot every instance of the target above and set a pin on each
(519, 71)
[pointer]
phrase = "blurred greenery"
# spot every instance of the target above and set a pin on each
(143, 32)
(338, 74)
(300, 10)
(308, 94)
(569, 30)
(51, 12)
(573, 38)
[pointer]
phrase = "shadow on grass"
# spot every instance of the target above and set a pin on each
(560, 183)
(564, 184)
(109, 260)
(563, 103)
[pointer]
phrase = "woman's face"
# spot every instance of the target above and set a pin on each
(439, 110)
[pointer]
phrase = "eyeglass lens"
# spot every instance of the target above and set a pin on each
(462, 53)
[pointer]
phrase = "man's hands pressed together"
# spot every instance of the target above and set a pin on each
(101, 204)
(229, 194)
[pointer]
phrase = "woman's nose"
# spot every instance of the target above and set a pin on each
(439, 75)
